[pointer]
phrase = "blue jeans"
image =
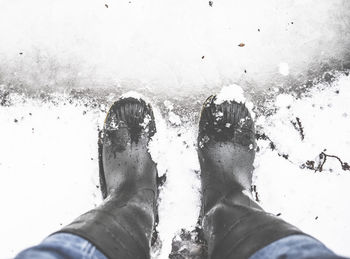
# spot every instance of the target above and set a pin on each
(62, 246)
(296, 246)
(68, 246)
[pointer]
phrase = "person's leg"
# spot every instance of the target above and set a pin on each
(122, 226)
(295, 246)
(234, 225)
(62, 246)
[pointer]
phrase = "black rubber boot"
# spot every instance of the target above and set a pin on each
(234, 226)
(122, 226)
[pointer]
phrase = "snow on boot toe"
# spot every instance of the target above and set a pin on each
(227, 121)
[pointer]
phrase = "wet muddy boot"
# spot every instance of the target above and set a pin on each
(121, 227)
(234, 226)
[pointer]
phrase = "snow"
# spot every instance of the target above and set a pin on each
(174, 150)
(132, 94)
(49, 169)
(283, 68)
(174, 54)
(158, 46)
(233, 92)
(284, 100)
(316, 202)
(230, 93)
(174, 119)
(168, 105)
(48, 164)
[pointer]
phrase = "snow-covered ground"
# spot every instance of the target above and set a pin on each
(49, 167)
(63, 62)
(317, 202)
